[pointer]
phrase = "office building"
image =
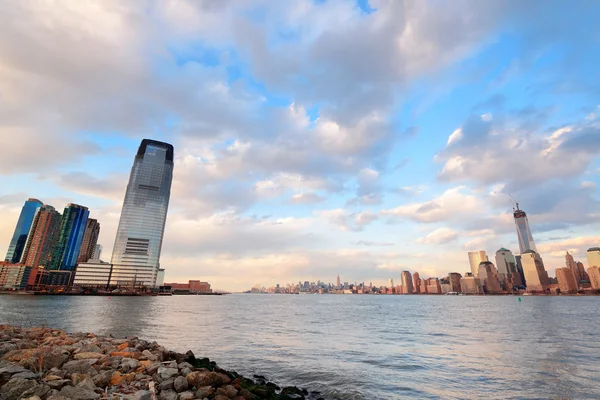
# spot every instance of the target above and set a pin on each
(417, 283)
(488, 277)
(505, 263)
(470, 284)
(136, 253)
(407, 284)
(535, 273)
(567, 282)
(594, 273)
(454, 281)
(90, 239)
(581, 274)
(520, 271)
(593, 257)
(42, 240)
(433, 286)
(337, 286)
(19, 238)
(70, 236)
(93, 273)
(391, 285)
(476, 258)
(13, 276)
(526, 242)
(97, 255)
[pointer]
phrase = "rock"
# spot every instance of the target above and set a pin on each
(116, 378)
(89, 348)
(32, 398)
(166, 384)
(119, 341)
(87, 383)
(180, 384)
(204, 391)
(26, 375)
(58, 397)
(6, 373)
(221, 397)
(37, 391)
(103, 378)
(81, 367)
(206, 378)
(142, 395)
(152, 368)
(6, 347)
(166, 373)
(14, 388)
(245, 394)
(185, 365)
(128, 364)
(78, 393)
(149, 355)
(167, 395)
(228, 391)
(58, 384)
(186, 396)
(88, 355)
(190, 355)
(185, 371)
(55, 358)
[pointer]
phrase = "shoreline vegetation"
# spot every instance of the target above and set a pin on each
(50, 364)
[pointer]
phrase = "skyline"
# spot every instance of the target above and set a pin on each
(289, 167)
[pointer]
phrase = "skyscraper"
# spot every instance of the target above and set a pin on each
(594, 273)
(41, 240)
(19, 239)
(72, 228)
(593, 257)
(90, 239)
(567, 282)
(416, 282)
(535, 273)
(97, 252)
(523, 232)
(407, 285)
(476, 258)
(136, 254)
(505, 262)
(488, 276)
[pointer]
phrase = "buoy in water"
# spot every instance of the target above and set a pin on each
(519, 299)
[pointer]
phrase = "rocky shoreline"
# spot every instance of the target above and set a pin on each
(51, 364)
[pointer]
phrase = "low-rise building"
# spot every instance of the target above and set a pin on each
(13, 276)
(470, 284)
(192, 287)
(93, 273)
(567, 281)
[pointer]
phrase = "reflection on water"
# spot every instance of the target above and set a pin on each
(361, 347)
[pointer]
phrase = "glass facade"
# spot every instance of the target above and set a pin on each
(19, 239)
(90, 239)
(524, 233)
(72, 229)
(136, 254)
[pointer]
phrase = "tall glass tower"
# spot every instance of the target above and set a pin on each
(524, 233)
(136, 254)
(19, 239)
(70, 237)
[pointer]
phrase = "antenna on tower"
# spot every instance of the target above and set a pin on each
(512, 202)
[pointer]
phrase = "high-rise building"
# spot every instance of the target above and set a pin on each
(136, 254)
(433, 286)
(454, 280)
(417, 283)
(594, 273)
(567, 282)
(593, 257)
(19, 239)
(41, 241)
(97, 252)
(581, 274)
(535, 273)
(72, 228)
(338, 282)
(470, 284)
(407, 285)
(523, 231)
(488, 276)
(90, 239)
(476, 258)
(505, 262)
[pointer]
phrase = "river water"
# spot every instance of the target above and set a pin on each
(361, 347)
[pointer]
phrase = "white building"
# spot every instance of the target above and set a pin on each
(94, 273)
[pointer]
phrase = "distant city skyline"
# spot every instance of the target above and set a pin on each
(360, 138)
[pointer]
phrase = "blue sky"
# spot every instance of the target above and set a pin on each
(313, 137)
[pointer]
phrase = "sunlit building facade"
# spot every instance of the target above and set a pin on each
(594, 273)
(476, 258)
(593, 257)
(90, 240)
(136, 253)
(523, 231)
(488, 276)
(567, 282)
(19, 239)
(407, 285)
(535, 273)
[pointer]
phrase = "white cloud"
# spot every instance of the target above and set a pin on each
(439, 236)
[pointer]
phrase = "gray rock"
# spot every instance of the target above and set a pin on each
(186, 396)
(167, 395)
(14, 388)
(180, 384)
(119, 341)
(87, 383)
(204, 391)
(103, 378)
(128, 364)
(55, 358)
(58, 384)
(166, 373)
(58, 397)
(185, 371)
(78, 393)
(228, 391)
(37, 391)
(81, 367)
(167, 384)
(32, 398)
(89, 348)
(149, 355)
(26, 375)
(6, 347)
(142, 395)
(152, 368)
(185, 365)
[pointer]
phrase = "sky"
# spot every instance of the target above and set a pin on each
(312, 138)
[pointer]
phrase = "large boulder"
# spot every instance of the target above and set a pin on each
(228, 391)
(14, 388)
(81, 367)
(207, 378)
(204, 391)
(129, 364)
(79, 393)
(166, 373)
(142, 395)
(103, 378)
(167, 395)
(180, 384)
(55, 358)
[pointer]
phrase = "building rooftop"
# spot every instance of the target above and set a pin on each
(529, 252)
(594, 249)
(503, 249)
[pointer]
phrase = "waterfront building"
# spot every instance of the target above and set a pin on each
(454, 281)
(581, 274)
(594, 273)
(433, 286)
(520, 271)
(445, 288)
(136, 253)
(90, 240)
(506, 264)
(41, 240)
(476, 258)
(535, 273)
(526, 242)
(19, 238)
(593, 257)
(13, 276)
(70, 236)
(407, 284)
(192, 287)
(488, 277)
(567, 282)
(160, 277)
(470, 284)
(417, 283)
(93, 273)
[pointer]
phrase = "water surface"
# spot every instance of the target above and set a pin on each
(361, 347)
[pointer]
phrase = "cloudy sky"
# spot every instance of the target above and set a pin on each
(311, 137)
